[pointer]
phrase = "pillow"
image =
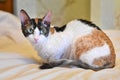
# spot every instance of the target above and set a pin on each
(12, 39)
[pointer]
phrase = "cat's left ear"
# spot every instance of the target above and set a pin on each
(47, 18)
(24, 17)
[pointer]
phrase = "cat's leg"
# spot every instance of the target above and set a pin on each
(63, 63)
(51, 64)
(68, 62)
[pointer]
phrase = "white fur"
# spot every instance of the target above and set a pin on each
(78, 28)
(56, 45)
(36, 33)
(95, 53)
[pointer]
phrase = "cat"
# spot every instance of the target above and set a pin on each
(79, 43)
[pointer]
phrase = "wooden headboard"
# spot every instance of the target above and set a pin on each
(6, 5)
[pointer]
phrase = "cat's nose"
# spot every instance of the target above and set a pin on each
(36, 39)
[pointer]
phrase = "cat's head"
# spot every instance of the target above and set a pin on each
(35, 29)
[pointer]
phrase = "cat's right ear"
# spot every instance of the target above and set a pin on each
(24, 17)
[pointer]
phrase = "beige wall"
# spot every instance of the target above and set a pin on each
(103, 13)
(28, 5)
(117, 6)
(63, 10)
(77, 9)
(96, 11)
(100, 12)
(117, 14)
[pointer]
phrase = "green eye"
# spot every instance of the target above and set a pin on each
(41, 32)
(30, 30)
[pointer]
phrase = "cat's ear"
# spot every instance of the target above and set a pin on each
(24, 17)
(47, 18)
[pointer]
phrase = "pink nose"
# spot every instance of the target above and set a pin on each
(36, 39)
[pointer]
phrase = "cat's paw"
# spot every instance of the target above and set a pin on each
(46, 66)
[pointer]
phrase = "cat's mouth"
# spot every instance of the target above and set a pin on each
(35, 41)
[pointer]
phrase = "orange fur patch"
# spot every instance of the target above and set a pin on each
(85, 43)
(107, 59)
(36, 20)
(96, 39)
(52, 30)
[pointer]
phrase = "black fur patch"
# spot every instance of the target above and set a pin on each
(46, 66)
(89, 23)
(60, 29)
(28, 29)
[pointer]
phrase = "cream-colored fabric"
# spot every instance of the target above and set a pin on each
(11, 37)
(19, 61)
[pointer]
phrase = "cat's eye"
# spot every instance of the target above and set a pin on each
(30, 30)
(41, 32)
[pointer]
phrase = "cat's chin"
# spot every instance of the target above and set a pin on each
(35, 42)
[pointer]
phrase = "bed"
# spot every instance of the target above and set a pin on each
(19, 60)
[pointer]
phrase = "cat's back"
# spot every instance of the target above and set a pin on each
(79, 27)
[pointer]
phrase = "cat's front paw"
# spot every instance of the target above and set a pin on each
(46, 66)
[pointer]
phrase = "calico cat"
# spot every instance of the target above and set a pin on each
(79, 43)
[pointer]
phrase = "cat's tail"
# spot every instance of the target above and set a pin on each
(81, 64)
(68, 62)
